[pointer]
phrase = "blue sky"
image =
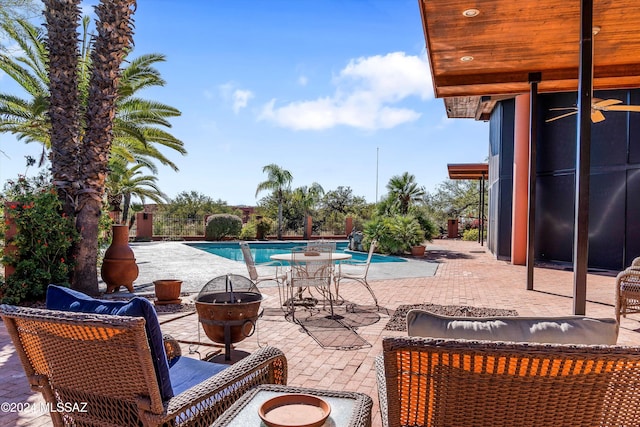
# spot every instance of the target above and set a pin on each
(335, 91)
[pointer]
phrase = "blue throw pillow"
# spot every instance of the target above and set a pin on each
(65, 299)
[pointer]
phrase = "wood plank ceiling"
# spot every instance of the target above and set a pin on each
(493, 52)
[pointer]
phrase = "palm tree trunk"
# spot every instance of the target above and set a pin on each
(280, 220)
(114, 38)
(125, 209)
(62, 19)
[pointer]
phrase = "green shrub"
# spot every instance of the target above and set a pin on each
(43, 240)
(256, 229)
(407, 231)
(427, 225)
(396, 234)
(248, 231)
(472, 234)
(263, 227)
(221, 226)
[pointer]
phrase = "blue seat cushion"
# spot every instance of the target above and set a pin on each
(65, 299)
(185, 372)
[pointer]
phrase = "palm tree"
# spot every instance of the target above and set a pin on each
(404, 192)
(278, 181)
(10, 10)
(123, 183)
(80, 175)
(79, 160)
(308, 197)
(138, 123)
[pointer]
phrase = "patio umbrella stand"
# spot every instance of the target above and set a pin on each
(228, 309)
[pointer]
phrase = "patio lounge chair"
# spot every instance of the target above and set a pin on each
(358, 274)
(108, 371)
(436, 382)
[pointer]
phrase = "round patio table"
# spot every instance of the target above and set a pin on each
(335, 256)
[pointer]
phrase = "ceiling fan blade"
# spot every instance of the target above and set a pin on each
(597, 116)
(563, 108)
(635, 108)
(605, 102)
(562, 116)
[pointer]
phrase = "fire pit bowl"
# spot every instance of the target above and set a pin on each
(228, 308)
(237, 310)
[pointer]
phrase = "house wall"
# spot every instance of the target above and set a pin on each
(614, 214)
(500, 182)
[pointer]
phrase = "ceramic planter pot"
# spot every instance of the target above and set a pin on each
(418, 250)
(168, 291)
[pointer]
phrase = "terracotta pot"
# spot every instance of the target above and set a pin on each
(168, 291)
(119, 266)
(418, 250)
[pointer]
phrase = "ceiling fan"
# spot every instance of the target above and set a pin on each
(597, 107)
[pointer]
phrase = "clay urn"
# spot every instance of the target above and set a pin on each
(119, 266)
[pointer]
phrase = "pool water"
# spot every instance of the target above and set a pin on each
(262, 251)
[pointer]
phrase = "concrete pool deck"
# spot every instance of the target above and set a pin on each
(195, 267)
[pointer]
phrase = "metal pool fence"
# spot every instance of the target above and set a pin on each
(177, 228)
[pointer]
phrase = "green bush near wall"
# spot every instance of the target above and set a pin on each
(223, 226)
(472, 234)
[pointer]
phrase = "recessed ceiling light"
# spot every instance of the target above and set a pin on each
(466, 58)
(470, 13)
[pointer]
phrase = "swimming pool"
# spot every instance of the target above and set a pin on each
(262, 251)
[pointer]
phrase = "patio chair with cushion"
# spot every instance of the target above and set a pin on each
(457, 382)
(357, 271)
(107, 361)
(628, 291)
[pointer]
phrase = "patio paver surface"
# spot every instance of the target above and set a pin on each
(467, 274)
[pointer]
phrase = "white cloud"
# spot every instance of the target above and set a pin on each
(241, 99)
(366, 90)
(207, 94)
(303, 80)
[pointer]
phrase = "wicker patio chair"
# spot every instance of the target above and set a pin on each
(628, 292)
(432, 382)
(102, 366)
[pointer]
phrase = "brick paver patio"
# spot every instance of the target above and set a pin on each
(467, 274)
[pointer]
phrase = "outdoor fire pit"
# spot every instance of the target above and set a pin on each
(228, 309)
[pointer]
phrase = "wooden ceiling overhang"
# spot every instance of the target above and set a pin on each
(468, 170)
(476, 59)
